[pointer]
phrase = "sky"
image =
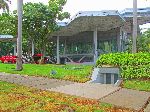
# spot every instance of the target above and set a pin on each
(74, 6)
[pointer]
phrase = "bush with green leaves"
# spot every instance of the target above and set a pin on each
(131, 65)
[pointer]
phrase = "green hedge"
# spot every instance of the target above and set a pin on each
(132, 65)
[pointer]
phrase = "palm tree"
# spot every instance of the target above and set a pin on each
(134, 26)
(19, 39)
(4, 5)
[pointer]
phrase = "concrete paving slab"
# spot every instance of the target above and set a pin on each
(32, 81)
(87, 90)
(132, 99)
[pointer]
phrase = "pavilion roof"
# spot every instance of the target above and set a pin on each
(88, 20)
(104, 20)
(6, 38)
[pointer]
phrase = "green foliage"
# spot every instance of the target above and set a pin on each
(8, 25)
(132, 65)
(106, 105)
(143, 42)
(142, 85)
(39, 21)
(6, 48)
(4, 5)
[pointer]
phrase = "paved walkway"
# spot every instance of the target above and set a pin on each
(87, 90)
(95, 91)
(32, 81)
(127, 98)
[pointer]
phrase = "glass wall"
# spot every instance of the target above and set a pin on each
(79, 48)
(107, 46)
(82, 46)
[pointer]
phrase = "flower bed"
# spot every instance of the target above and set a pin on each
(11, 59)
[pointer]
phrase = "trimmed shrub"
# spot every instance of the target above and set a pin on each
(132, 65)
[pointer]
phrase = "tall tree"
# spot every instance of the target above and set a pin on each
(143, 42)
(40, 20)
(7, 26)
(19, 36)
(134, 48)
(4, 5)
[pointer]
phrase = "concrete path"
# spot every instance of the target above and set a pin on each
(95, 91)
(128, 98)
(87, 90)
(32, 81)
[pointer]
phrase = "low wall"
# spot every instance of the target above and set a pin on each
(106, 75)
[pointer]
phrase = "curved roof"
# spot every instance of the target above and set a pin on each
(143, 15)
(128, 12)
(104, 20)
(7, 38)
(88, 20)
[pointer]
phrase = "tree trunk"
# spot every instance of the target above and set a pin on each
(19, 39)
(44, 50)
(134, 26)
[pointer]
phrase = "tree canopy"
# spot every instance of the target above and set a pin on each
(8, 24)
(4, 5)
(143, 42)
(39, 21)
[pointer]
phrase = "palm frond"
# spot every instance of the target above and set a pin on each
(4, 5)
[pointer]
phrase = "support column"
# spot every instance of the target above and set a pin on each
(32, 47)
(65, 47)
(95, 45)
(112, 78)
(124, 47)
(119, 37)
(58, 57)
(104, 78)
(15, 46)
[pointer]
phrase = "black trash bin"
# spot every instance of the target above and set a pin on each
(62, 60)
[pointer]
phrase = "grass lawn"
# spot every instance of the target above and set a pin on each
(15, 98)
(78, 73)
(142, 85)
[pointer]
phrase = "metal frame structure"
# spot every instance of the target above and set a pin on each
(9, 38)
(97, 26)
